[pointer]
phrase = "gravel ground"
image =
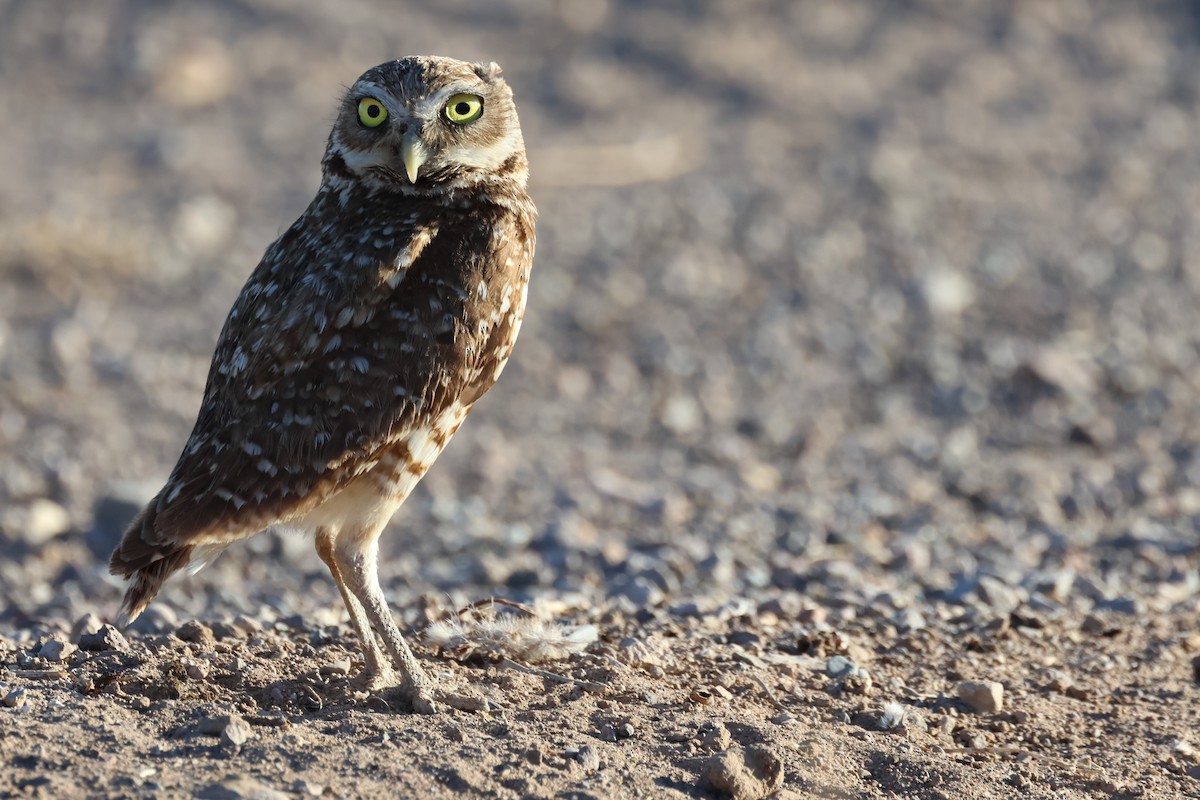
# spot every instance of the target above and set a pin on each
(857, 329)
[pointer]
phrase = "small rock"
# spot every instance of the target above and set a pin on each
(617, 730)
(743, 773)
(307, 788)
(909, 619)
(588, 758)
(196, 672)
(225, 630)
(745, 639)
(840, 667)
(107, 638)
(241, 789)
(44, 520)
(713, 735)
(639, 590)
(983, 697)
(235, 731)
(339, 668)
(88, 623)
(998, 594)
(195, 632)
(1130, 606)
(15, 698)
(56, 651)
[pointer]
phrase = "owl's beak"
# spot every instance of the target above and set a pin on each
(413, 153)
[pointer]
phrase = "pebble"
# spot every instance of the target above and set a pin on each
(107, 638)
(241, 788)
(588, 757)
(307, 788)
(15, 697)
(339, 668)
(639, 590)
(713, 735)
(997, 594)
(88, 623)
(223, 629)
(983, 697)
(44, 520)
(195, 632)
(743, 773)
(235, 731)
(617, 730)
(56, 650)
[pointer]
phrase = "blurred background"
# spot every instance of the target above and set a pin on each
(833, 297)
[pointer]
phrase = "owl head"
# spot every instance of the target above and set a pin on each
(425, 123)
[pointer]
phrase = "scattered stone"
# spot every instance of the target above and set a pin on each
(241, 789)
(196, 672)
(713, 735)
(639, 590)
(839, 667)
(853, 677)
(195, 632)
(88, 623)
(1128, 606)
(15, 698)
(339, 668)
(743, 773)
(745, 639)
(105, 639)
(587, 756)
(56, 651)
(224, 629)
(44, 520)
(998, 594)
(235, 731)
(984, 697)
(307, 788)
(617, 730)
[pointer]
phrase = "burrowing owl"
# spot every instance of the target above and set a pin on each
(359, 343)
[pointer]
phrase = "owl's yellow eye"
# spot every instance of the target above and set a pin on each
(371, 112)
(464, 108)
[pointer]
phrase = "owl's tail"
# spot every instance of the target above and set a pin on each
(149, 561)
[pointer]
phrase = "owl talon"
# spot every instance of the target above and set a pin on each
(423, 702)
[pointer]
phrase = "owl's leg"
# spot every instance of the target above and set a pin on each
(356, 558)
(376, 672)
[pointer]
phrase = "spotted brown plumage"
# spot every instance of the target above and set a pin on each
(359, 343)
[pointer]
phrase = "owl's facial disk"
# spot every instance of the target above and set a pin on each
(427, 121)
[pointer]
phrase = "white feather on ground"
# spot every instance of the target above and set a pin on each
(525, 639)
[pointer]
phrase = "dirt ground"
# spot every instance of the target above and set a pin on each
(853, 433)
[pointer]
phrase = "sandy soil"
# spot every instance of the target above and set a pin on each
(856, 405)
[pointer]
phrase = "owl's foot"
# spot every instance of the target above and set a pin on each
(372, 678)
(422, 701)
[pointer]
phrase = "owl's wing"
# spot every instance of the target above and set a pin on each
(318, 367)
